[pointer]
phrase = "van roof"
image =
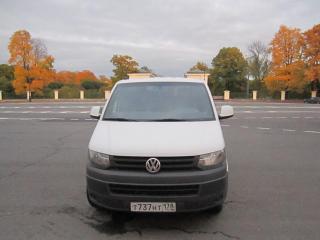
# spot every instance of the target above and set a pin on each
(161, 79)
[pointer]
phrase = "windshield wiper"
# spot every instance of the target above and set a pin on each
(120, 119)
(169, 120)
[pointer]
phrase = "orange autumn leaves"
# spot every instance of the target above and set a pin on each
(312, 52)
(33, 66)
(68, 77)
(295, 59)
(295, 63)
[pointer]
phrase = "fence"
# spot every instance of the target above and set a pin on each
(73, 93)
(265, 95)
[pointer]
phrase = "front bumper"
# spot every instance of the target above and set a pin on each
(212, 188)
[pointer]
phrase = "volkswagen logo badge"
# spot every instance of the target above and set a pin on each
(153, 165)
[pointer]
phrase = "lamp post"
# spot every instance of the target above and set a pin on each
(29, 81)
(247, 85)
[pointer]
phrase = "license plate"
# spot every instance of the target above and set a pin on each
(153, 206)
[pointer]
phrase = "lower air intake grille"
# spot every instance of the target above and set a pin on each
(154, 190)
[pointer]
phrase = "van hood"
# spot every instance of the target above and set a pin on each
(157, 139)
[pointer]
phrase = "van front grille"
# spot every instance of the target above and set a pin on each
(167, 163)
(154, 190)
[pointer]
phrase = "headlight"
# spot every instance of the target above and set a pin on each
(211, 159)
(101, 160)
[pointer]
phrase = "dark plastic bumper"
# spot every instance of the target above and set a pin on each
(213, 185)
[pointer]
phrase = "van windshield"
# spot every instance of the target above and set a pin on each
(159, 101)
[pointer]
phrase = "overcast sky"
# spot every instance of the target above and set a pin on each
(168, 36)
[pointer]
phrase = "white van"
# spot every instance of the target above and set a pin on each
(158, 147)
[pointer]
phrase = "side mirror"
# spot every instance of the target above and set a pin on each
(226, 112)
(95, 112)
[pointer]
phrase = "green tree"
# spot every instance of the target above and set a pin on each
(145, 69)
(91, 84)
(6, 77)
(55, 85)
(124, 64)
(199, 66)
(229, 70)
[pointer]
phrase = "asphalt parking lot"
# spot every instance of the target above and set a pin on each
(274, 181)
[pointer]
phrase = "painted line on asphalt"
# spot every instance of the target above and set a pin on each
(263, 128)
(47, 107)
(288, 130)
(275, 117)
(309, 131)
(89, 119)
(32, 118)
(46, 119)
(42, 112)
(274, 111)
(63, 105)
(276, 107)
(284, 129)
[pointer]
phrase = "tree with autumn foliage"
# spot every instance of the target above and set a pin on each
(66, 77)
(124, 64)
(106, 81)
(33, 67)
(20, 49)
(312, 56)
(287, 68)
(42, 73)
(84, 75)
(75, 78)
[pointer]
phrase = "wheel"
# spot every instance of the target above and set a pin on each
(216, 210)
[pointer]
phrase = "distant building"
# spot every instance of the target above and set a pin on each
(142, 73)
(197, 74)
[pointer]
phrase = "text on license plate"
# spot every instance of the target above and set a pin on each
(153, 206)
